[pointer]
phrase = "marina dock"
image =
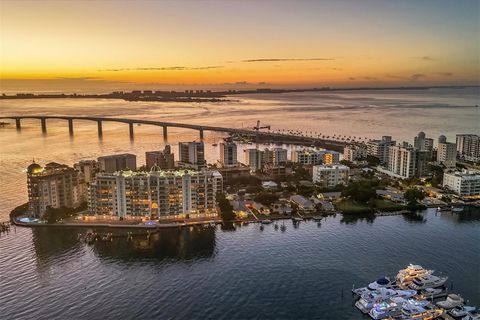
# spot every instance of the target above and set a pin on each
(414, 293)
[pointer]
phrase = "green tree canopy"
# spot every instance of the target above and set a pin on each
(413, 196)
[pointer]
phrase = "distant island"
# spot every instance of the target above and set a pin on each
(201, 95)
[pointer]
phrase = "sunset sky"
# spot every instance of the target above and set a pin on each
(114, 44)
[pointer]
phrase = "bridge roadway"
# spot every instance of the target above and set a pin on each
(201, 128)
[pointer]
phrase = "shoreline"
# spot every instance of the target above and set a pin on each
(18, 213)
(215, 96)
(180, 224)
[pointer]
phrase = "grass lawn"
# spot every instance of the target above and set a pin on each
(385, 205)
(350, 207)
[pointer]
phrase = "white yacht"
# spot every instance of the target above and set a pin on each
(432, 293)
(427, 281)
(412, 307)
(386, 309)
(474, 315)
(406, 294)
(367, 300)
(457, 209)
(425, 314)
(452, 301)
(380, 283)
(458, 312)
(412, 271)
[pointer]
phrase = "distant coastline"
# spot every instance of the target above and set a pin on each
(205, 95)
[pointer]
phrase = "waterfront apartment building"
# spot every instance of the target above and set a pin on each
(306, 157)
(406, 161)
(402, 161)
(276, 156)
(55, 185)
(330, 157)
(330, 175)
(468, 147)
(446, 152)
(464, 184)
(87, 169)
(162, 159)
(421, 142)
(354, 152)
(117, 162)
(254, 158)
(157, 194)
(228, 154)
(192, 155)
(380, 148)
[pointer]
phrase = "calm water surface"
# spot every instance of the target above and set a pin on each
(247, 273)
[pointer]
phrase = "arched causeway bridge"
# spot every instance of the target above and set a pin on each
(200, 128)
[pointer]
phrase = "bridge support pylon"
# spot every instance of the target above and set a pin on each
(70, 127)
(43, 121)
(18, 124)
(165, 133)
(130, 129)
(100, 130)
(201, 134)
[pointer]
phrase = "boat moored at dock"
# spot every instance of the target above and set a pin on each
(427, 281)
(412, 271)
(452, 301)
(384, 299)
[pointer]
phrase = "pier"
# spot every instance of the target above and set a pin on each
(286, 137)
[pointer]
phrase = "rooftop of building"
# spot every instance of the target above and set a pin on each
(465, 174)
(159, 173)
(331, 167)
(301, 200)
(117, 155)
(50, 169)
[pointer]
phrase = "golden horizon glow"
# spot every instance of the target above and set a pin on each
(256, 43)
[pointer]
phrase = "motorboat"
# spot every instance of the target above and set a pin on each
(266, 221)
(412, 307)
(405, 276)
(458, 312)
(429, 293)
(406, 294)
(426, 314)
(317, 218)
(412, 271)
(427, 281)
(452, 301)
(386, 309)
(368, 299)
(361, 291)
(380, 283)
(457, 209)
(473, 315)
(297, 219)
